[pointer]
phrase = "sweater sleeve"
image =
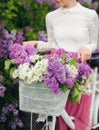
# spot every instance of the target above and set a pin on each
(46, 46)
(93, 32)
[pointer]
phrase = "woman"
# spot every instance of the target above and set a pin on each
(74, 28)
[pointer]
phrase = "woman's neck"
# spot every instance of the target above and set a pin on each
(71, 4)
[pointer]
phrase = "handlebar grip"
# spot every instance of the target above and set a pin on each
(95, 53)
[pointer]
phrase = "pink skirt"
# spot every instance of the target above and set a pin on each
(80, 112)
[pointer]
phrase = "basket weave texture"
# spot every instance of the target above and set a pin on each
(37, 98)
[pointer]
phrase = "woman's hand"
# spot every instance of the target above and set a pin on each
(84, 54)
(33, 43)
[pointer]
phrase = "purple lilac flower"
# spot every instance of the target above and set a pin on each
(18, 54)
(3, 118)
(39, 1)
(5, 110)
(20, 124)
(42, 36)
(51, 63)
(57, 74)
(5, 33)
(97, 50)
(52, 84)
(60, 75)
(2, 91)
(2, 50)
(69, 78)
(10, 107)
(31, 50)
(95, 5)
(19, 37)
(71, 55)
(13, 125)
(15, 112)
(60, 51)
(84, 70)
(52, 3)
(9, 39)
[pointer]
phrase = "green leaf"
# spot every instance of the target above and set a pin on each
(85, 4)
(12, 70)
(75, 99)
(73, 61)
(77, 90)
(8, 64)
(64, 87)
(63, 58)
(76, 94)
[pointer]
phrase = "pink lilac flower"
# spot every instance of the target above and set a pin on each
(2, 91)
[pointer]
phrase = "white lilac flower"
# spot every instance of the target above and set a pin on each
(40, 69)
(34, 73)
(35, 58)
(15, 74)
(87, 89)
(23, 70)
(73, 69)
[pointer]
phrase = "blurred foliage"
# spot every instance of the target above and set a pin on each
(27, 15)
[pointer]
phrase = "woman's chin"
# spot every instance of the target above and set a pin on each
(59, 4)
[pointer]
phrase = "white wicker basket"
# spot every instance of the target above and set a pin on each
(37, 98)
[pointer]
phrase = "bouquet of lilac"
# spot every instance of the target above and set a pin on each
(59, 70)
